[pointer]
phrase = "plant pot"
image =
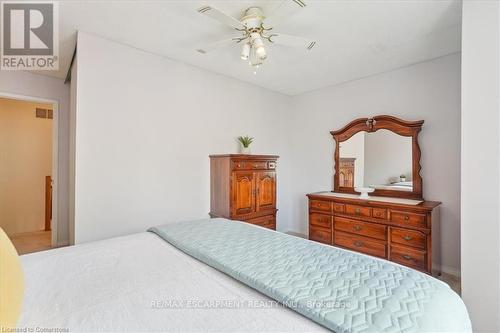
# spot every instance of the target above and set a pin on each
(245, 150)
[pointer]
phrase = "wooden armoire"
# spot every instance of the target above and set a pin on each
(243, 188)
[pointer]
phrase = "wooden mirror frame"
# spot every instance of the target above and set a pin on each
(395, 125)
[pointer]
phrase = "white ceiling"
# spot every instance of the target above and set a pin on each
(355, 38)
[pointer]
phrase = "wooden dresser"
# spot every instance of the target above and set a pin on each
(243, 187)
(394, 229)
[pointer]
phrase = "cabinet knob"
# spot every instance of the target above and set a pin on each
(407, 238)
(357, 228)
(357, 211)
(407, 217)
(406, 257)
(358, 243)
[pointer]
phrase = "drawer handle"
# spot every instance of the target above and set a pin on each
(407, 257)
(407, 217)
(357, 211)
(407, 238)
(255, 166)
(357, 228)
(358, 243)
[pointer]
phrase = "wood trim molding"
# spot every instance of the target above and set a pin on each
(48, 202)
(393, 124)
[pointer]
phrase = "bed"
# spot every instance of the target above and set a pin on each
(400, 186)
(179, 278)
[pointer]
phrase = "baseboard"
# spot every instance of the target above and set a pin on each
(296, 234)
(61, 244)
(448, 270)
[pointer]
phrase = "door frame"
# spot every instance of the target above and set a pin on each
(55, 154)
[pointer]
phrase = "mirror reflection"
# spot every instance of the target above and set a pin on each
(380, 160)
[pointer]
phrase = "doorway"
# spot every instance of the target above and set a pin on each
(28, 172)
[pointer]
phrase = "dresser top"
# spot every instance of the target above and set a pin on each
(245, 156)
(374, 200)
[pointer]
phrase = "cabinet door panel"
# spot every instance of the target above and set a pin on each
(243, 196)
(266, 190)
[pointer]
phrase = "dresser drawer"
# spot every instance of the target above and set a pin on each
(320, 235)
(409, 237)
(338, 208)
(264, 221)
(361, 228)
(358, 210)
(408, 256)
(379, 213)
(239, 165)
(251, 165)
(321, 220)
(409, 219)
(323, 206)
(362, 244)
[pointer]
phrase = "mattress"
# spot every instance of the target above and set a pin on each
(141, 283)
(342, 290)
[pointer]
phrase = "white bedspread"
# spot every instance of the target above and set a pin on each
(142, 283)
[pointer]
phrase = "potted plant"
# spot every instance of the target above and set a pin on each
(402, 178)
(245, 144)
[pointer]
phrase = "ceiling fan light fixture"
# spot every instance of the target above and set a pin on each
(258, 45)
(261, 52)
(256, 40)
(255, 60)
(253, 27)
(245, 51)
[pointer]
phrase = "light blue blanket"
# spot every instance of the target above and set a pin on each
(341, 290)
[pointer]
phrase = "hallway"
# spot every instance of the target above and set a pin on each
(29, 242)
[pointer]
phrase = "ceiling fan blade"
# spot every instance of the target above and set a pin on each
(220, 44)
(282, 12)
(292, 41)
(220, 16)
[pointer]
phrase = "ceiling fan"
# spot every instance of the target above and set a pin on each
(255, 27)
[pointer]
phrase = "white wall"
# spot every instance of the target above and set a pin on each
(33, 85)
(429, 91)
(72, 149)
(25, 161)
(480, 163)
(145, 126)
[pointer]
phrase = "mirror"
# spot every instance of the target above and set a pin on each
(379, 160)
(381, 153)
